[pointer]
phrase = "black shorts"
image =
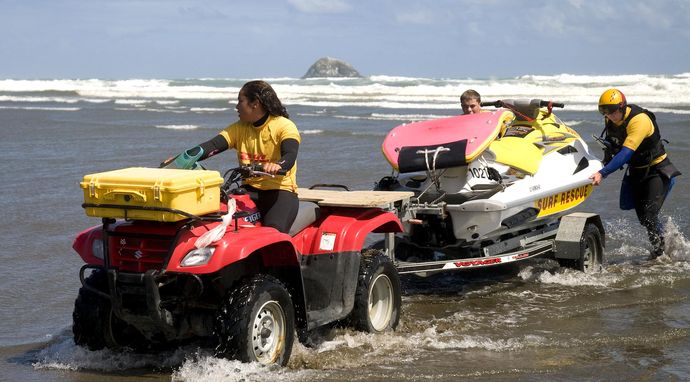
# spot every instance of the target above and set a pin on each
(278, 208)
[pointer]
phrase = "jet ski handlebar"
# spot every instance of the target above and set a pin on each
(503, 103)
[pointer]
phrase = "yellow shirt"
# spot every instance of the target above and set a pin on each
(262, 145)
(639, 128)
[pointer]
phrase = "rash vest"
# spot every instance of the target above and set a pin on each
(650, 148)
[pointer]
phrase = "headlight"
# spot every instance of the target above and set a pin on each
(199, 256)
(97, 248)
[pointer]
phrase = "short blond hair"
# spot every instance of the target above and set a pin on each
(470, 94)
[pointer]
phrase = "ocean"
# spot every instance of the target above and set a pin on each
(531, 322)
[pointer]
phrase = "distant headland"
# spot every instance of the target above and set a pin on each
(331, 67)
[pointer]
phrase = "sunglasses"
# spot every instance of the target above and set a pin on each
(608, 109)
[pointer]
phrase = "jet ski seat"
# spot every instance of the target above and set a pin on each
(525, 108)
(517, 152)
(456, 198)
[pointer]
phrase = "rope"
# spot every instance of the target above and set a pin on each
(431, 168)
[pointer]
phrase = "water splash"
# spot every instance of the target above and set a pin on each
(63, 354)
(203, 367)
(677, 246)
(568, 277)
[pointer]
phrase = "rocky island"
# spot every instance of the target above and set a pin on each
(331, 67)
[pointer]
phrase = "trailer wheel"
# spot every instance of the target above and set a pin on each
(95, 326)
(591, 251)
(377, 300)
(256, 322)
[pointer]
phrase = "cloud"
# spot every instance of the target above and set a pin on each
(654, 17)
(421, 17)
(320, 6)
(202, 13)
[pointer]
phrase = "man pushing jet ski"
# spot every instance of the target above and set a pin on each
(631, 136)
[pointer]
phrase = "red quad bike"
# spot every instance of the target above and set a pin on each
(146, 285)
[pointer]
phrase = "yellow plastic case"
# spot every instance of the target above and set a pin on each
(118, 193)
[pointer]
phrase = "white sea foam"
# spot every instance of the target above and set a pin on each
(209, 109)
(152, 110)
(568, 277)
(677, 244)
(392, 117)
(208, 368)
(65, 355)
(661, 93)
(430, 338)
(40, 108)
(133, 102)
(312, 131)
(5, 98)
(178, 127)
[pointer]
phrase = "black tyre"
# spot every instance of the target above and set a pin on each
(591, 257)
(256, 322)
(95, 326)
(377, 300)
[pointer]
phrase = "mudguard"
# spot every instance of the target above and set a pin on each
(344, 230)
(236, 246)
(82, 244)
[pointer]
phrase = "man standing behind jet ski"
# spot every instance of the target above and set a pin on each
(632, 137)
(470, 101)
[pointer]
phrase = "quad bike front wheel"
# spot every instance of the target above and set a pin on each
(377, 300)
(256, 323)
(95, 326)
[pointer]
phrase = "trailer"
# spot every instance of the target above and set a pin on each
(575, 240)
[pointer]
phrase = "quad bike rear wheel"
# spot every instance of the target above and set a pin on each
(256, 322)
(377, 300)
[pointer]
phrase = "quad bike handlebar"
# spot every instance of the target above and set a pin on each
(251, 171)
(235, 175)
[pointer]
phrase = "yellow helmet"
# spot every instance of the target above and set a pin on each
(612, 100)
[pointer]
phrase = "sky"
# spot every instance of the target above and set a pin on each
(121, 39)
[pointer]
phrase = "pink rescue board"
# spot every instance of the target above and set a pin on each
(479, 130)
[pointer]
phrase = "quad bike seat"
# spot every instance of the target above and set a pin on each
(308, 213)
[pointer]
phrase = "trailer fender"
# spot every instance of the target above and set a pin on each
(570, 229)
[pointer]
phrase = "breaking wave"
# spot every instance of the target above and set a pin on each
(661, 93)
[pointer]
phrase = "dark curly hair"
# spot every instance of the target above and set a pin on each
(264, 93)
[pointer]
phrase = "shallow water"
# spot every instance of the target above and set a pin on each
(533, 322)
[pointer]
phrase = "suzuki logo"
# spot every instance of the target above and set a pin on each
(138, 254)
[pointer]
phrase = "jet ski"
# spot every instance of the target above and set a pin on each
(482, 180)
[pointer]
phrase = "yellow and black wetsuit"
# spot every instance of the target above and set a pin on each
(640, 133)
(636, 140)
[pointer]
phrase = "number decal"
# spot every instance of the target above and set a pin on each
(479, 173)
